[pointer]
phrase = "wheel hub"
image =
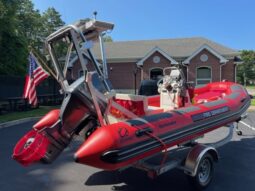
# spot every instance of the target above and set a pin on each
(204, 171)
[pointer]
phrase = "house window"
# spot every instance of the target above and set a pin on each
(156, 73)
(204, 75)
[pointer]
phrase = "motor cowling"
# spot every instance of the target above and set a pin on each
(31, 148)
(43, 143)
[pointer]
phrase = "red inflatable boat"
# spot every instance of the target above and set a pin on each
(122, 129)
(124, 143)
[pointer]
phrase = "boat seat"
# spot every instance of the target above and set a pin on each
(153, 110)
(135, 103)
(208, 96)
(209, 99)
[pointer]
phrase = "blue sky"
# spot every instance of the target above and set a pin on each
(231, 23)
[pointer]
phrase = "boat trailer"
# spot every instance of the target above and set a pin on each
(195, 159)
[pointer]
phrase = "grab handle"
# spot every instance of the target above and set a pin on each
(141, 132)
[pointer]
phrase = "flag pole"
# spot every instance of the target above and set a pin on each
(42, 62)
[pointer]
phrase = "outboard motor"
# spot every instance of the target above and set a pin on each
(81, 110)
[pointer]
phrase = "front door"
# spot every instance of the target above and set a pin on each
(156, 73)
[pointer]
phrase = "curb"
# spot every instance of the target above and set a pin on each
(16, 122)
(251, 108)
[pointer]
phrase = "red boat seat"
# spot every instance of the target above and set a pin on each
(153, 105)
(210, 92)
(135, 103)
(154, 100)
(207, 96)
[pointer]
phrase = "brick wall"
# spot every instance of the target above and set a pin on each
(122, 76)
(149, 64)
(77, 68)
(228, 71)
(213, 62)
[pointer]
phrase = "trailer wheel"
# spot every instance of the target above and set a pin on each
(204, 174)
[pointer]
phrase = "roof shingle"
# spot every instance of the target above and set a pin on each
(177, 48)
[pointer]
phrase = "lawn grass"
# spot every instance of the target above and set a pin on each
(250, 87)
(42, 110)
(253, 102)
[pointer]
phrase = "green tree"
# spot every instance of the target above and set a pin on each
(2, 9)
(107, 38)
(30, 23)
(21, 26)
(12, 43)
(246, 70)
(2, 14)
(51, 21)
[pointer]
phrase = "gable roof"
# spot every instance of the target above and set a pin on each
(208, 48)
(178, 48)
(156, 49)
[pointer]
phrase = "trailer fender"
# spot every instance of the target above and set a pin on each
(195, 155)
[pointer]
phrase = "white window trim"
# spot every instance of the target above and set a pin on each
(152, 51)
(208, 48)
(203, 78)
(221, 70)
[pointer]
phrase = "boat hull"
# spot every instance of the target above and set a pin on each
(122, 144)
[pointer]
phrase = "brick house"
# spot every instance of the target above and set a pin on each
(205, 61)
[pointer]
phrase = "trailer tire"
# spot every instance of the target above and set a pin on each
(204, 174)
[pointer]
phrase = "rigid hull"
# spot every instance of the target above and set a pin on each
(122, 144)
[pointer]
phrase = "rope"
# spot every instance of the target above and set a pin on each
(157, 139)
(163, 145)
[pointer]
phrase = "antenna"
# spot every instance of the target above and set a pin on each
(95, 15)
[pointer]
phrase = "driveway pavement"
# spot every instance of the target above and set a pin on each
(234, 172)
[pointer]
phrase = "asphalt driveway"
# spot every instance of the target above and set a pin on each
(234, 172)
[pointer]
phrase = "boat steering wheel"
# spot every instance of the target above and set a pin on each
(170, 85)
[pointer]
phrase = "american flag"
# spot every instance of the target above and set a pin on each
(35, 76)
